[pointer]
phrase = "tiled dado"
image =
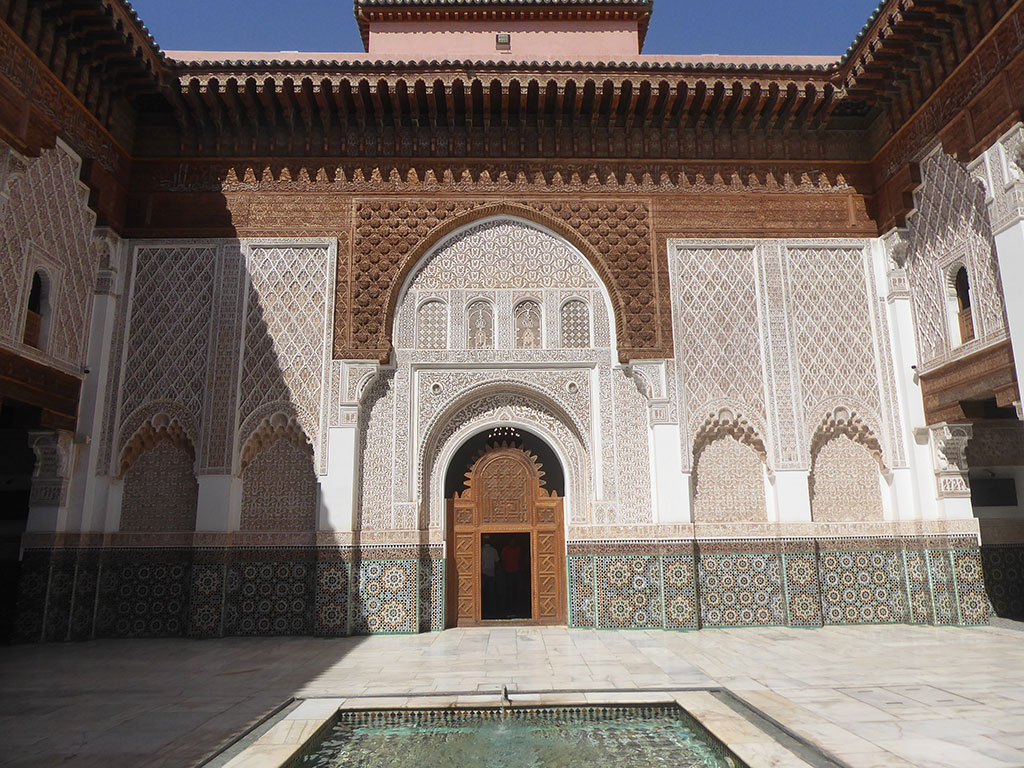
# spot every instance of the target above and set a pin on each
(805, 583)
(78, 594)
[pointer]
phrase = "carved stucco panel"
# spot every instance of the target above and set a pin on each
(47, 220)
(718, 345)
(951, 227)
(285, 362)
(169, 334)
(833, 310)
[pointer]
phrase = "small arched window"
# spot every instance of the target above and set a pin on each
(36, 312)
(965, 320)
(575, 325)
(528, 325)
(480, 326)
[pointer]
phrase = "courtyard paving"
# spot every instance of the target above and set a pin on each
(873, 697)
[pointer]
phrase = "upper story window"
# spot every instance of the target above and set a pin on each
(965, 320)
(480, 326)
(528, 325)
(575, 325)
(36, 315)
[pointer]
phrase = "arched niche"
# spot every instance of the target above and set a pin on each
(157, 466)
(846, 470)
(452, 229)
(279, 486)
(508, 262)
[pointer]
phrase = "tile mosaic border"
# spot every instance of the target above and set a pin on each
(797, 583)
(205, 592)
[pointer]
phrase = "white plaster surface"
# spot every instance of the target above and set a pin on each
(894, 696)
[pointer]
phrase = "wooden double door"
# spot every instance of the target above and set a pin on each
(504, 499)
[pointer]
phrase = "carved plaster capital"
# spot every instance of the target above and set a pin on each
(1000, 170)
(52, 474)
(13, 167)
(949, 451)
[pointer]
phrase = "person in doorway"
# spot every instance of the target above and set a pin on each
(511, 556)
(489, 558)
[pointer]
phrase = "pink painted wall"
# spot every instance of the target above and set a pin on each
(531, 40)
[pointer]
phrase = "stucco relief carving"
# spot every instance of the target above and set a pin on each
(503, 407)
(511, 262)
(949, 451)
(833, 313)
(1001, 171)
(46, 212)
(286, 343)
(846, 459)
(160, 490)
(729, 464)
(54, 450)
(168, 342)
(154, 430)
(717, 333)
(951, 225)
(616, 237)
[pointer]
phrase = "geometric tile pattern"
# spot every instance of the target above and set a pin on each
(790, 583)
(268, 598)
(803, 590)
(943, 589)
(680, 591)
(331, 609)
(432, 594)
(628, 592)
(384, 596)
(921, 609)
(212, 592)
(31, 601)
(971, 587)
(863, 587)
(581, 592)
(206, 604)
(143, 593)
(741, 590)
(1004, 577)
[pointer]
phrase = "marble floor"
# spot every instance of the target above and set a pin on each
(872, 697)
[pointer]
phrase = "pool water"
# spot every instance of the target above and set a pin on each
(556, 737)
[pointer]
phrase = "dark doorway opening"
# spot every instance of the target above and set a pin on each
(17, 461)
(506, 593)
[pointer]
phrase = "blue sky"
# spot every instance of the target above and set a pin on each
(680, 26)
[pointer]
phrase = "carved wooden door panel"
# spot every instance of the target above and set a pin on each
(504, 495)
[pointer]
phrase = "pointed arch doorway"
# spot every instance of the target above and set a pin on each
(506, 535)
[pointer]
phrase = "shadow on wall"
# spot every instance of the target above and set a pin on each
(270, 575)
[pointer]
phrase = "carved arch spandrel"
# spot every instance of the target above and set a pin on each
(491, 210)
(278, 426)
(151, 432)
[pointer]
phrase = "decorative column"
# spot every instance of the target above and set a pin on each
(90, 487)
(791, 497)
(338, 488)
(949, 451)
(1001, 171)
(673, 488)
(219, 504)
(51, 478)
(911, 495)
